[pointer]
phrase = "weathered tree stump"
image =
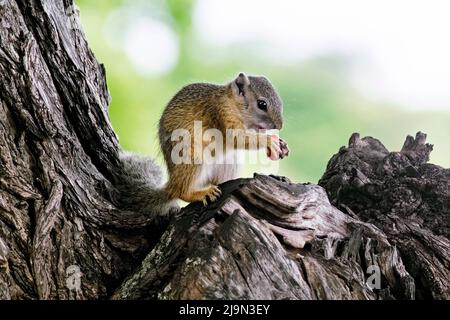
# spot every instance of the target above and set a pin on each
(268, 238)
(63, 235)
(405, 197)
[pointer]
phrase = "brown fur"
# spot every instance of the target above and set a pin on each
(218, 106)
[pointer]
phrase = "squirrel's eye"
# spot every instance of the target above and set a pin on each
(262, 105)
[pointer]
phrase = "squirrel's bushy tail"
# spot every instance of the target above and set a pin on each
(139, 188)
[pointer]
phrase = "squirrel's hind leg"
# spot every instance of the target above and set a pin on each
(188, 184)
(211, 193)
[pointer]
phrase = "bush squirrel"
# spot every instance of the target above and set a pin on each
(248, 102)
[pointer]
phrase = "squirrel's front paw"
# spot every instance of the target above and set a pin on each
(278, 148)
(284, 149)
(212, 194)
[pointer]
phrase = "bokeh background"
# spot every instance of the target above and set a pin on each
(381, 68)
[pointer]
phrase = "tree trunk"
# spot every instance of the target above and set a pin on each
(58, 153)
(62, 235)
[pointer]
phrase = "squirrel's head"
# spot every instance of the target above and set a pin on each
(261, 106)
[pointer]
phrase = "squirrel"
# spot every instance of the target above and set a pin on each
(250, 105)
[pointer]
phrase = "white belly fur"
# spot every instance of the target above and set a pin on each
(225, 167)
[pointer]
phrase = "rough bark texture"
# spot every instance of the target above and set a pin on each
(268, 239)
(58, 154)
(265, 238)
(405, 197)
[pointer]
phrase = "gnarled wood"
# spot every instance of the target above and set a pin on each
(404, 196)
(58, 156)
(269, 239)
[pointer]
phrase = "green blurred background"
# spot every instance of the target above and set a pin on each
(323, 107)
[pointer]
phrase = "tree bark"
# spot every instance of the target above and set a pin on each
(405, 197)
(62, 235)
(58, 156)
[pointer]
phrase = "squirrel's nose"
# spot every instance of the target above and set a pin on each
(277, 125)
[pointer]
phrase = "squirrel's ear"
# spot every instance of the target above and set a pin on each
(240, 84)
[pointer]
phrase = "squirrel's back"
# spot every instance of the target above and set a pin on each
(195, 93)
(191, 103)
(194, 102)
